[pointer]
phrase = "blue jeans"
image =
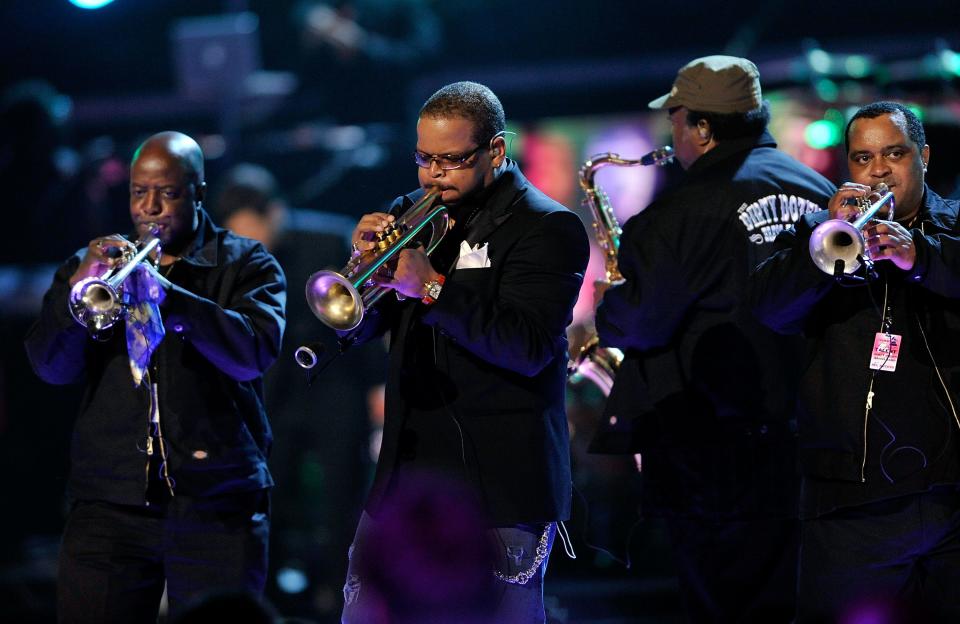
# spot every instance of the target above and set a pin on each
(514, 550)
(115, 559)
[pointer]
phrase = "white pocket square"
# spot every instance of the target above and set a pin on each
(473, 257)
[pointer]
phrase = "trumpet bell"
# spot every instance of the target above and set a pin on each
(98, 303)
(95, 304)
(836, 240)
(837, 246)
(340, 299)
(334, 300)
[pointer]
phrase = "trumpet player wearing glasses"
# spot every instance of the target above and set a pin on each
(169, 329)
(478, 351)
(705, 393)
(879, 307)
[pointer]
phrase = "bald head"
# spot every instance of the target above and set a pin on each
(177, 146)
(166, 188)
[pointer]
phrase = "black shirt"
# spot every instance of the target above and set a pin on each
(911, 436)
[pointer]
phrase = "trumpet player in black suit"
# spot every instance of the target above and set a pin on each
(478, 350)
(705, 393)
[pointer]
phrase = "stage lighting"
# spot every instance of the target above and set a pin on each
(826, 89)
(291, 580)
(950, 61)
(822, 134)
(820, 61)
(857, 66)
(90, 4)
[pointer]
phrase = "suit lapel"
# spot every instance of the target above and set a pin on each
(508, 189)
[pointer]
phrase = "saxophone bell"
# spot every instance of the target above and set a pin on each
(596, 364)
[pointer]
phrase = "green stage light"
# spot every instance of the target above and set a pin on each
(819, 61)
(822, 134)
(857, 66)
(950, 61)
(835, 117)
(826, 89)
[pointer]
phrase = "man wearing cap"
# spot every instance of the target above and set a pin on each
(705, 392)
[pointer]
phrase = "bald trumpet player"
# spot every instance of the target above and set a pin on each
(169, 485)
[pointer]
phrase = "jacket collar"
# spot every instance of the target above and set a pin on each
(505, 191)
(203, 249)
(729, 149)
(937, 211)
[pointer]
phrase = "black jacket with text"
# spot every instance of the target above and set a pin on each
(705, 391)
(691, 342)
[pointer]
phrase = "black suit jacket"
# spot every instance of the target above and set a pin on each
(490, 358)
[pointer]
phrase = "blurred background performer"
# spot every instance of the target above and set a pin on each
(321, 462)
(169, 480)
(478, 352)
(878, 421)
(356, 57)
(706, 392)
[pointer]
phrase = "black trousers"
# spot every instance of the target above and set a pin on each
(729, 507)
(736, 570)
(115, 559)
(899, 557)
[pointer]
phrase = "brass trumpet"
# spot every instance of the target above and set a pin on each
(596, 363)
(837, 246)
(97, 302)
(340, 299)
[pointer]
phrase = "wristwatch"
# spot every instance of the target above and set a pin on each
(432, 290)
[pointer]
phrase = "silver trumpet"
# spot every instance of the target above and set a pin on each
(837, 246)
(97, 302)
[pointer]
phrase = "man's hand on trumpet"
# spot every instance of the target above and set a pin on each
(411, 268)
(103, 253)
(412, 273)
(364, 235)
(844, 203)
(888, 240)
(883, 240)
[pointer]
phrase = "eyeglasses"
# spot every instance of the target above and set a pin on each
(446, 162)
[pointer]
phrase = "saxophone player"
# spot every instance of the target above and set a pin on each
(705, 392)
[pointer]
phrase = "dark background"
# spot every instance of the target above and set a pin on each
(337, 134)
